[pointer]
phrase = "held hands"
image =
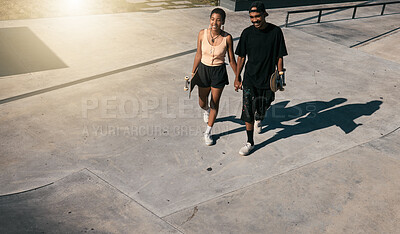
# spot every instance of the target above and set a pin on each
(238, 83)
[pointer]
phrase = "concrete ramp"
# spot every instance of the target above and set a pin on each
(78, 203)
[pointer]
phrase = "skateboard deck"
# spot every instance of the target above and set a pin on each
(277, 82)
(190, 83)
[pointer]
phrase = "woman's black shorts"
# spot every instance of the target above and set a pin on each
(212, 76)
(256, 103)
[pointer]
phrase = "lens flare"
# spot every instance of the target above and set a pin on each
(73, 7)
(74, 4)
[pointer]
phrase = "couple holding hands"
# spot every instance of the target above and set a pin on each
(264, 46)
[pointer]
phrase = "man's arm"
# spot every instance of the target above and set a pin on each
(280, 64)
(239, 67)
(281, 72)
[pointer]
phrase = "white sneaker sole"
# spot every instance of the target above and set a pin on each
(209, 143)
(245, 154)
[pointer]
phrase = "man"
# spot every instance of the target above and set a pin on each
(264, 45)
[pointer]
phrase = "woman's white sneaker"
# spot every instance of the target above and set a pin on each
(245, 150)
(207, 139)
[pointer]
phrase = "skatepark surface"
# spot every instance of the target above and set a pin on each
(97, 134)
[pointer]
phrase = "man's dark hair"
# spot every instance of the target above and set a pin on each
(220, 12)
(259, 7)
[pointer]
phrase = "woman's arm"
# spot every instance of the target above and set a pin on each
(231, 55)
(197, 57)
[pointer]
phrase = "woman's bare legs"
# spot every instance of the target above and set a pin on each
(203, 97)
(214, 104)
(213, 109)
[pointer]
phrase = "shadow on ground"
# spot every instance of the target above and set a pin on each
(310, 116)
(22, 51)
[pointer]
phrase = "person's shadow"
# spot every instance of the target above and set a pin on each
(311, 116)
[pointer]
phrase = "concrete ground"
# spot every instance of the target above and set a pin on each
(97, 134)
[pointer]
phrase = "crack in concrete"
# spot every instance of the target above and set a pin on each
(195, 209)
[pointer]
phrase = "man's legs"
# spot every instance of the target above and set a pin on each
(248, 110)
(262, 102)
(255, 104)
(249, 146)
(250, 132)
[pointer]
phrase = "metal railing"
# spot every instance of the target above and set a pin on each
(339, 8)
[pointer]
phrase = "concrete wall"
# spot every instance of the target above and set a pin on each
(243, 5)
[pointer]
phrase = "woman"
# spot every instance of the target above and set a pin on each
(212, 45)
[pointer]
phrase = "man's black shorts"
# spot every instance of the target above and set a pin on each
(256, 103)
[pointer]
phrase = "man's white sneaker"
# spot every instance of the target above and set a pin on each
(245, 150)
(257, 126)
(207, 139)
(205, 115)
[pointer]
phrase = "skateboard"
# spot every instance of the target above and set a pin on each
(190, 83)
(277, 81)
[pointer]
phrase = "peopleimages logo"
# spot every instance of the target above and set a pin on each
(132, 107)
(130, 116)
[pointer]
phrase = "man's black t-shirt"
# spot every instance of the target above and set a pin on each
(263, 48)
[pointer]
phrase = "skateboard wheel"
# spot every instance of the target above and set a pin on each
(186, 77)
(186, 88)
